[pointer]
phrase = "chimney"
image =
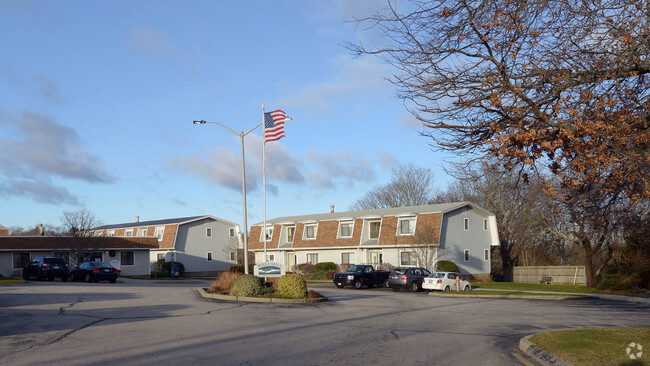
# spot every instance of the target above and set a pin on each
(331, 208)
(137, 219)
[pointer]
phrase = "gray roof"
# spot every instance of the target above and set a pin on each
(178, 220)
(378, 213)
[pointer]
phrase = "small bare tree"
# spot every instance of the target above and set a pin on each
(409, 186)
(77, 225)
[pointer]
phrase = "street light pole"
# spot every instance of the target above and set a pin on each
(243, 179)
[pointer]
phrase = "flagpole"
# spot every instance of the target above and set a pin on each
(264, 177)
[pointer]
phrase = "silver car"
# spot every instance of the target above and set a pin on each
(408, 278)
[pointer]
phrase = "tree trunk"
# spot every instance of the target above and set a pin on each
(589, 265)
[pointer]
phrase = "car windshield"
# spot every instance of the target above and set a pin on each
(399, 271)
(355, 269)
(104, 265)
(437, 275)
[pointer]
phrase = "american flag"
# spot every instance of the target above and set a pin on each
(274, 125)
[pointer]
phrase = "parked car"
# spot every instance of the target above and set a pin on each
(409, 278)
(46, 267)
(445, 281)
(361, 275)
(95, 271)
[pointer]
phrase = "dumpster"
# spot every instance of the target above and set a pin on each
(175, 271)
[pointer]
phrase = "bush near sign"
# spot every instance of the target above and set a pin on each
(269, 269)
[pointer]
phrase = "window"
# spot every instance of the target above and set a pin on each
(345, 229)
(312, 258)
(291, 230)
(406, 226)
(98, 233)
(128, 232)
(485, 225)
(270, 257)
(486, 254)
(21, 260)
(160, 230)
(127, 258)
(142, 232)
(348, 258)
(407, 259)
(374, 229)
(110, 232)
(233, 256)
(208, 256)
(232, 232)
(310, 231)
(466, 224)
(269, 234)
(208, 233)
(161, 257)
(466, 255)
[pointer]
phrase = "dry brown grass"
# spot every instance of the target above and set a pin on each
(223, 282)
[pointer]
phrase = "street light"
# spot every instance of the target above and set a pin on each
(243, 179)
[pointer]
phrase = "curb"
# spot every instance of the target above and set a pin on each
(538, 354)
(514, 296)
(207, 295)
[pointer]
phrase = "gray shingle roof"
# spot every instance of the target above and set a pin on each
(396, 211)
(178, 220)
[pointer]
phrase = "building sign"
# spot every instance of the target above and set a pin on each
(269, 269)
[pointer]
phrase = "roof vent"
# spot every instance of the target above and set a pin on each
(331, 208)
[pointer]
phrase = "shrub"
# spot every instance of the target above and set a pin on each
(223, 283)
(240, 268)
(447, 266)
(330, 275)
(167, 267)
(325, 267)
(304, 268)
(246, 285)
(292, 286)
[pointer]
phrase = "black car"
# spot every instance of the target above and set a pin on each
(95, 271)
(46, 267)
(409, 278)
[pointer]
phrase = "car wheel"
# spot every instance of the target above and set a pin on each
(40, 276)
(466, 288)
(415, 287)
(358, 284)
(396, 289)
(447, 289)
(87, 279)
(25, 276)
(64, 278)
(386, 284)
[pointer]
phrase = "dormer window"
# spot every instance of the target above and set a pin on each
(345, 229)
(406, 226)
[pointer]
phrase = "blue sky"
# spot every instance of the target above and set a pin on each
(97, 100)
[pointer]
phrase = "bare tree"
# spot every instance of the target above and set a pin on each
(409, 186)
(77, 225)
(559, 86)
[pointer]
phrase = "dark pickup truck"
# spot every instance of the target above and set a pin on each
(361, 275)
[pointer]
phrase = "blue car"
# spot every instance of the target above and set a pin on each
(95, 271)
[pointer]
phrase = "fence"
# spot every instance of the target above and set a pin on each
(560, 274)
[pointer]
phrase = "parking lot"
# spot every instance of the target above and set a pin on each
(167, 322)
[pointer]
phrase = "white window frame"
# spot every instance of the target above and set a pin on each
(308, 255)
(159, 232)
(352, 255)
(291, 238)
(124, 252)
(209, 257)
(466, 257)
(370, 229)
(269, 233)
(486, 226)
(340, 234)
(412, 257)
(232, 232)
(208, 232)
(13, 259)
(128, 232)
(142, 231)
(304, 233)
(486, 255)
(466, 223)
(270, 257)
(411, 229)
(110, 233)
(233, 255)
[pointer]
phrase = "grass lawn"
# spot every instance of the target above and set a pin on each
(599, 346)
(536, 287)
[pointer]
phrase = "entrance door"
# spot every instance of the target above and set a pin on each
(291, 261)
(375, 257)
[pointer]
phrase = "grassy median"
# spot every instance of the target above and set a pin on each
(599, 346)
